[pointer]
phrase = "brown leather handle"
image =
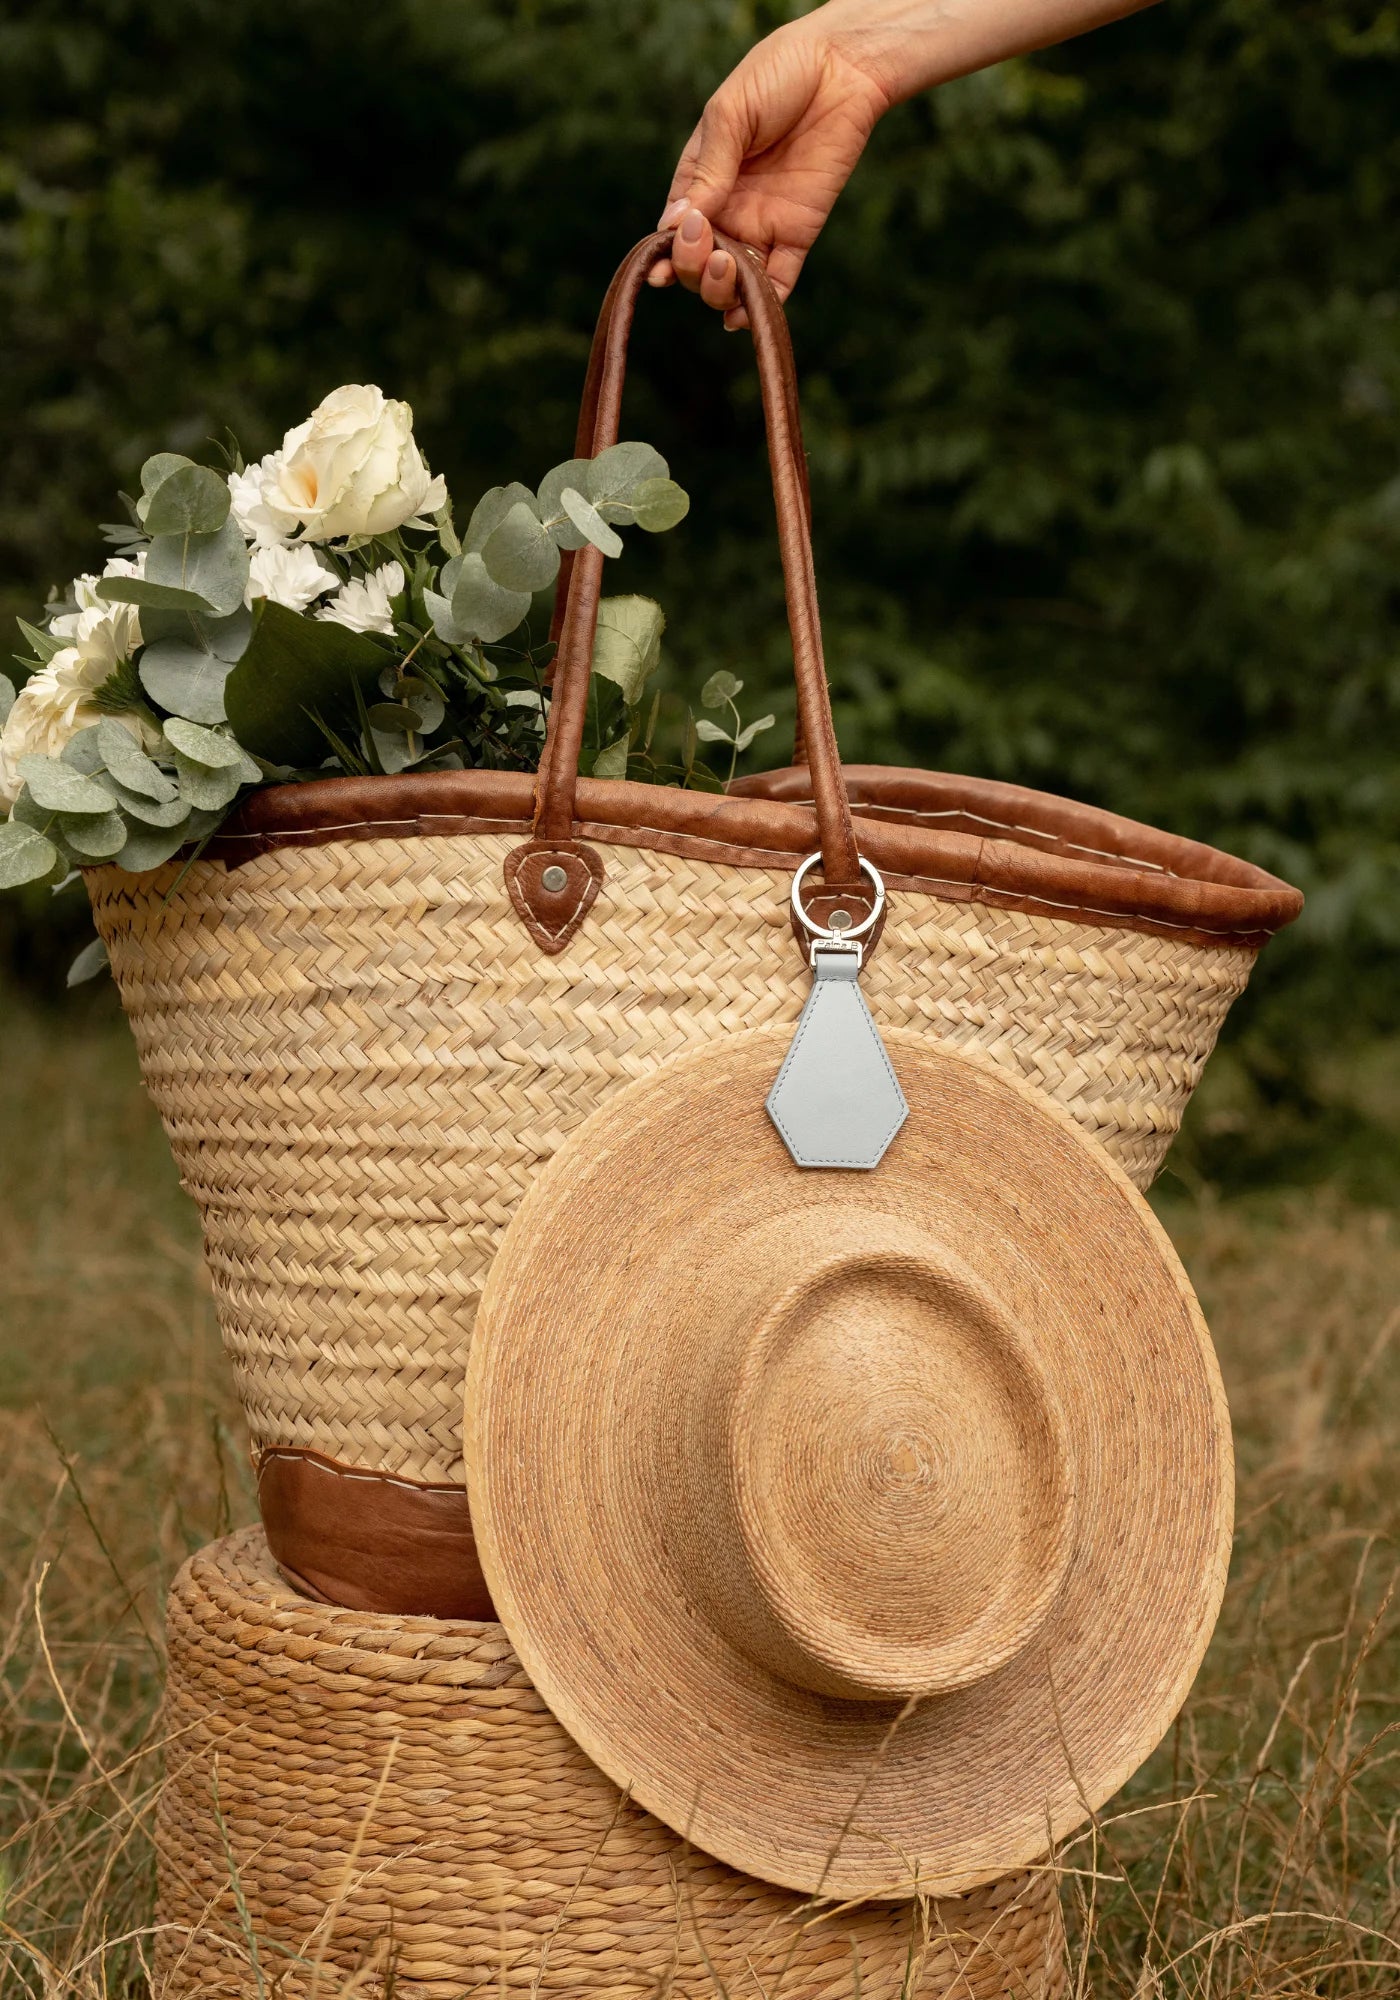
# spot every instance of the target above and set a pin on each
(585, 446)
(580, 591)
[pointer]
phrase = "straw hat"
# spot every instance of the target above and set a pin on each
(868, 1528)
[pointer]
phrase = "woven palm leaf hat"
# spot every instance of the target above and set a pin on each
(868, 1528)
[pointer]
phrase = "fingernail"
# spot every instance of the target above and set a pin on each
(718, 264)
(673, 212)
(693, 227)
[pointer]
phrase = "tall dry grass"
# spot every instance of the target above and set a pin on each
(1256, 1855)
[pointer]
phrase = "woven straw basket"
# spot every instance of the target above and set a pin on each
(366, 1018)
(398, 1801)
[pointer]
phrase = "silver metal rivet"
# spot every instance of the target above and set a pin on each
(554, 879)
(840, 920)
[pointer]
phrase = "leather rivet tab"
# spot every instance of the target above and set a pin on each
(552, 885)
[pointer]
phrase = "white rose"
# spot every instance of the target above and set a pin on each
(288, 576)
(246, 491)
(353, 468)
(364, 604)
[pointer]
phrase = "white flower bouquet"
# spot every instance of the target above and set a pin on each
(319, 614)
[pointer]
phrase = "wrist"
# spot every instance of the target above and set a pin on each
(905, 46)
(899, 46)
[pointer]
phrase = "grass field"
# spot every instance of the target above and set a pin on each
(1257, 1855)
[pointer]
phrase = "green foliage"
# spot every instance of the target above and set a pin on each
(722, 690)
(627, 648)
(25, 854)
(1100, 359)
(185, 500)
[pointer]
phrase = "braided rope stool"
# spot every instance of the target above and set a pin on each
(373, 1804)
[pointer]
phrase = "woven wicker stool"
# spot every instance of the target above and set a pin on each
(394, 1799)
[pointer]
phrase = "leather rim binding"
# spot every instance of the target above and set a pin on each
(961, 839)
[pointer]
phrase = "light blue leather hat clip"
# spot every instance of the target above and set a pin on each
(837, 1101)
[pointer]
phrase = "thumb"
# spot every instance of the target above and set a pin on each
(710, 164)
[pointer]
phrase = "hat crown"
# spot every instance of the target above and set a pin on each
(896, 1493)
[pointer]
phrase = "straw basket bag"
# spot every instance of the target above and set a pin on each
(391, 1797)
(380, 1004)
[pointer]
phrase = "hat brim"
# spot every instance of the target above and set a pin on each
(589, 1327)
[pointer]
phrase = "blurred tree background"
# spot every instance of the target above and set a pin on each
(1101, 365)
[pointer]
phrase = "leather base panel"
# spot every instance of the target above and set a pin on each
(342, 1535)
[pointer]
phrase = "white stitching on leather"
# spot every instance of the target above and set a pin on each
(597, 830)
(868, 809)
(301, 1457)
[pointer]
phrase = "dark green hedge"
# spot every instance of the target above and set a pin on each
(1101, 360)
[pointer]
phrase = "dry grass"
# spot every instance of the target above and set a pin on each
(1256, 1856)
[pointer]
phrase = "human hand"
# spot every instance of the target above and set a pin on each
(779, 138)
(774, 148)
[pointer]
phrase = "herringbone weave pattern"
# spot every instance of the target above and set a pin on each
(398, 1801)
(361, 1059)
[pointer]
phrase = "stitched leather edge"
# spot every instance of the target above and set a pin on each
(552, 937)
(1060, 858)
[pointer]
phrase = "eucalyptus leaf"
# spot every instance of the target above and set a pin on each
(27, 813)
(209, 747)
(91, 960)
(7, 695)
(590, 523)
(752, 729)
(44, 644)
(173, 811)
(228, 637)
(57, 787)
(294, 670)
(439, 610)
(185, 678)
(25, 855)
(520, 554)
(426, 701)
(150, 846)
(93, 836)
(143, 590)
(719, 689)
(627, 648)
(159, 467)
(710, 732)
(393, 718)
(614, 472)
(482, 608)
(191, 501)
(128, 763)
(208, 790)
(489, 512)
(573, 472)
(214, 566)
(658, 504)
(83, 752)
(393, 751)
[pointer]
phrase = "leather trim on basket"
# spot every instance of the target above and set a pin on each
(368, 1540)
(963, 839)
